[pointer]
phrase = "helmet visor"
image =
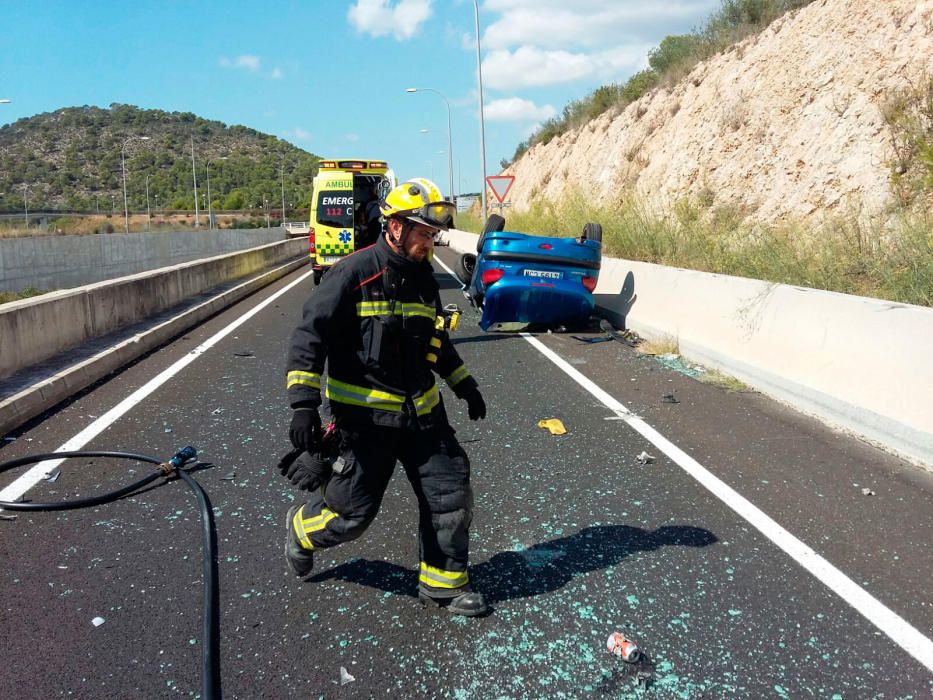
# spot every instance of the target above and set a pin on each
(438, 215)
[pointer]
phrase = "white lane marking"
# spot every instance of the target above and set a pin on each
(893, 625)
(899, 630)
(36, 473)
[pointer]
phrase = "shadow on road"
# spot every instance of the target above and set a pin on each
(539, 569)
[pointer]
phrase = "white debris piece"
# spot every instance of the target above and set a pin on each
(97, 621)
(868, 492)
(345, 676)
(645, 458)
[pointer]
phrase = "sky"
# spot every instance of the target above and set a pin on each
(330, 76)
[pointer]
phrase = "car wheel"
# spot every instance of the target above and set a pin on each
(494, 224)
(592, 232)
(464, 268)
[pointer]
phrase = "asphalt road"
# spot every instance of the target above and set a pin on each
(573, 539)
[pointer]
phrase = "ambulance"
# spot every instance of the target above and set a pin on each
(344, 209)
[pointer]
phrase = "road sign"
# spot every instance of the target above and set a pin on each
(500, 185)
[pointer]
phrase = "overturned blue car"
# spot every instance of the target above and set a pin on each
(523, 281)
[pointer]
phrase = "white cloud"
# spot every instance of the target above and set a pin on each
(381, 18)
(250, 64)
(590, 23)
(247, 62)
(514, 109)
(528, 66)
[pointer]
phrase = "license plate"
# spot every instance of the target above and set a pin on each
(547, 274)
(331, 259)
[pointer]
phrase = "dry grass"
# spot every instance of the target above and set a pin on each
(659, 346)
(88, 225)
(722, 380)
(890, 260)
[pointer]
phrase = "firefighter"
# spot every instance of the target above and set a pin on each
(378, 322)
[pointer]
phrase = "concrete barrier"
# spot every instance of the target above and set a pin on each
(859, 363)
(35, 329)
(59, 262)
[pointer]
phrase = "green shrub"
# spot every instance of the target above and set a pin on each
(908, 114)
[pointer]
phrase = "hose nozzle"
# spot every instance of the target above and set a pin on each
(185, 454)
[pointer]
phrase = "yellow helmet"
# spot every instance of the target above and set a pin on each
(421, 201)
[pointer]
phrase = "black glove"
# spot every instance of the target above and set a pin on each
(305, 430)
(309, 471)
(475, 405)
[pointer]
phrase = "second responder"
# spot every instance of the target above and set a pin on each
(378, 323)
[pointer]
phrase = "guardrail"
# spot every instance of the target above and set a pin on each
(36, 329)
(859, 363)
(58, 262)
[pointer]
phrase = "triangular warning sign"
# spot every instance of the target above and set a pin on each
(500, 185)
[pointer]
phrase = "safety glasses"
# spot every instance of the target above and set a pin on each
(439, 215)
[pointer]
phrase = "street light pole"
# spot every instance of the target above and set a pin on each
(148, 211)
(210, 214)
(450, 157)
(194, 173)
(283, 192)
(126, 210)
(26, 203)
(482, 127)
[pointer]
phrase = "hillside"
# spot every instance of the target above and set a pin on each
(70, 159)
(807, 119)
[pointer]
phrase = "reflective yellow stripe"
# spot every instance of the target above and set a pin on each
(438, 578)
(372, 308)
(457, 376)
(439, 323)
(379, 308)
(431, 357)
(318, 522)
(427, 401)
(311, 379)
(419, 310)
(342, 392)
(435, 342)
(299, 530)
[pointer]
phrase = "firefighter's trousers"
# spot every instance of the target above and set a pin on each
(439, 471)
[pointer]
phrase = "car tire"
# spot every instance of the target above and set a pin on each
(464, 268)
(494, 224)
(592, 232)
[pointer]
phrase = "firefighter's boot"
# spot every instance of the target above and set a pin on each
(468, 603)
(300, 559)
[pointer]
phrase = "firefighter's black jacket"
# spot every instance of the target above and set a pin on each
(377, 320)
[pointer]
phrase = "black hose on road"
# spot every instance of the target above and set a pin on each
(210, 656)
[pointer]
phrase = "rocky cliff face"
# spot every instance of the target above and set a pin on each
(787, 124)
